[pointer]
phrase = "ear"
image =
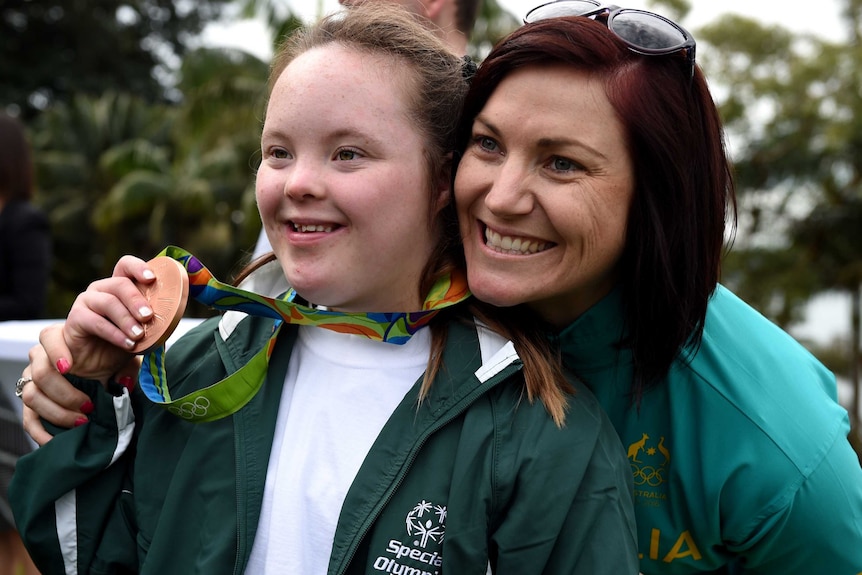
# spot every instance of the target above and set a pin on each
(443, 186)
(433, 8)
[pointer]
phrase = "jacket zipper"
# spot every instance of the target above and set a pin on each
(237, 471)
(238, 530)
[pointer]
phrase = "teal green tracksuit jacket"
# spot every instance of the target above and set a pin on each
(739, 456)
(474, 476)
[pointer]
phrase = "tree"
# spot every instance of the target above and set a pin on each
(202, 196)
(53, 50)
(492, 25)
(71, 144)
(278, 16)
(794, 112)
(119, 175)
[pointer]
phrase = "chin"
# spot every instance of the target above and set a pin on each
(492, 291)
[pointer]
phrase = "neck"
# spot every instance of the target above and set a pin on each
(457, 42)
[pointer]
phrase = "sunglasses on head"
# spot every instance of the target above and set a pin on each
(643, 32)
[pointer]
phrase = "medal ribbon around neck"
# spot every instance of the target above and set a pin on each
(232, 393)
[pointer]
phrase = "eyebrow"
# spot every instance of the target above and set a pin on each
(353, 133)
(272, 133)
(546, 143)
(280, 134)
(558, 142)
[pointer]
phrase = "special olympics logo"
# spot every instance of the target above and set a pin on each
(427, 522)
(192, 409)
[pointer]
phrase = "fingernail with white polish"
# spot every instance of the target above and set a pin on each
(137, 330)
(145, 311)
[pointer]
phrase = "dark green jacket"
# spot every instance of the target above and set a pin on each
(474, 475)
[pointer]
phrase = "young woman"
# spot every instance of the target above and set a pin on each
(348, 459)
(594, 188)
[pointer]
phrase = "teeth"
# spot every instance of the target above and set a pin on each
(514, 246)
(311, 228)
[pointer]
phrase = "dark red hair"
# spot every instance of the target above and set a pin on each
(683, 185)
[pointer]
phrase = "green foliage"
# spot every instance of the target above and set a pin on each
(119, 175)
(793, 110)
(834, 355)
(78, 148)
(492, 24)
(223, 99)
(277, 15)
(52, 50)
(856, 441)
(674, 9)
(774, 280)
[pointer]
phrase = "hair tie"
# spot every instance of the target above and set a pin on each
(468, 67)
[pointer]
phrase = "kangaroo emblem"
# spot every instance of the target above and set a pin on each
(637, 446)
(663, 451)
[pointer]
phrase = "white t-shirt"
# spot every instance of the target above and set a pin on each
(339, 392)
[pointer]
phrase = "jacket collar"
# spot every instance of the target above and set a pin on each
(595, 339)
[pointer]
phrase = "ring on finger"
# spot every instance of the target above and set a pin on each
(19, 385)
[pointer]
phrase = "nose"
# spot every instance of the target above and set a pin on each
(304, 181)
(510, 193)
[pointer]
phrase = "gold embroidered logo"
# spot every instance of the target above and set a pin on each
(649, 461)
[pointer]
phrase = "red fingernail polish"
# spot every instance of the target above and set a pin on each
(87, 407)
(81, 421)
(63, 365)
(127, 382)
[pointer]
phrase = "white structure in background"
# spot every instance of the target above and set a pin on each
(16, 339)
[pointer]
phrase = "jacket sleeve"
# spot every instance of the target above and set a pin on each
(819, 530)
(570, 505)
(69, 497)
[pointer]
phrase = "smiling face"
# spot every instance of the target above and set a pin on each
(543, 193)
(343, 187)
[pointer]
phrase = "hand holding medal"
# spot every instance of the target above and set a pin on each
(167, 297)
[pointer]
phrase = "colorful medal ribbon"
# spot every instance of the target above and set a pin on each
(232, 393)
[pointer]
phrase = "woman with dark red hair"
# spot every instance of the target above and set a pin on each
(594, 189)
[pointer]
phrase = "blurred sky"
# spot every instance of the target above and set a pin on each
(827, 315)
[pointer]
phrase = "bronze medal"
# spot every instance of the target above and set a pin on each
(167, 297)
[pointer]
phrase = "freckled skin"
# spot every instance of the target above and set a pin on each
(339, 151)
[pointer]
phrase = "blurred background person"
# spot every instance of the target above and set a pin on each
(451, 20)
(25, 263)
(25, 236)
